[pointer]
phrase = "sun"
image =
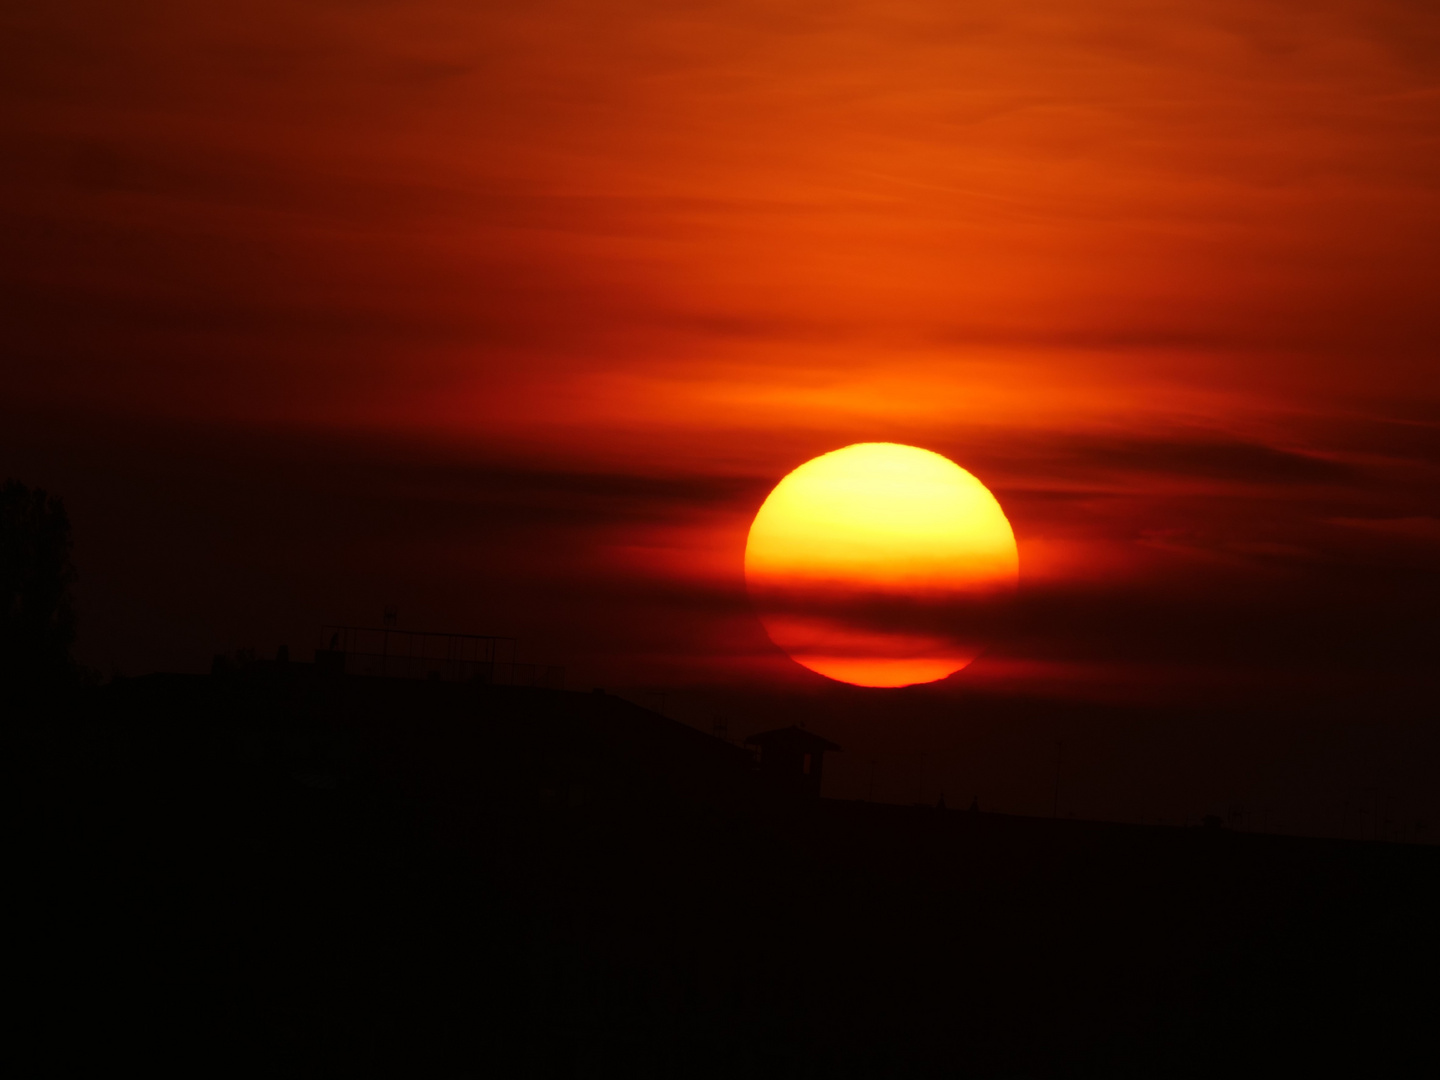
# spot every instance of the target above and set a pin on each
(881, 565)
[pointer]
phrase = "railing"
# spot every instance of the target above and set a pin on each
(387, 641)
(488, 673)
(409, 654)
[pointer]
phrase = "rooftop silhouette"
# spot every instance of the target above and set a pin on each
(356, 872)
(793, 757)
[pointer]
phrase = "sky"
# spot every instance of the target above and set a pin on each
(511, 316)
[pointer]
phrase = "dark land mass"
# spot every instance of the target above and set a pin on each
(282, 872)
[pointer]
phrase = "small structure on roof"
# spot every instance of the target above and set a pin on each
(793, 758)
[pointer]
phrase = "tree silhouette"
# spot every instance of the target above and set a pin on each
(37, 610)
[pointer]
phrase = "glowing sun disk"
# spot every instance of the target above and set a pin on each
(856, 559)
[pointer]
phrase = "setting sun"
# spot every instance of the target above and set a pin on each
(881, 565)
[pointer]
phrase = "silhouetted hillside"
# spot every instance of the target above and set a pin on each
(274, 870)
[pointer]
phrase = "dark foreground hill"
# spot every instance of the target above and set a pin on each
(279, 873)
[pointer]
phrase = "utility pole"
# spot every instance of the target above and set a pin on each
(388, 617)
(1055, 801)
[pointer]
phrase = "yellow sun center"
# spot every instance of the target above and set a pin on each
(881, 565)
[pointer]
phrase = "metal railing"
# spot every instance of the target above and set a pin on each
(408, 654)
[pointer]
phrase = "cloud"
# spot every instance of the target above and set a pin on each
(1425, 529)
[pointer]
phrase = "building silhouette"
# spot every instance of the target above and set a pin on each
(793, 759)
(386, 873)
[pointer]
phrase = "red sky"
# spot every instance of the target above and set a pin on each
(510, 315)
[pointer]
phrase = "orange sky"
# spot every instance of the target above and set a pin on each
(719, 216)
(1162, 275)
